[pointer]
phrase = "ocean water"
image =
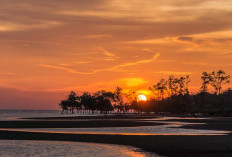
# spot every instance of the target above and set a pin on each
(28, 148)
(21, 148)
(16, 114)
(170, 127)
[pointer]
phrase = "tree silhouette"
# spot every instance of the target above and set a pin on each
(205, 77)
(71, 103)
(217, 79)
(64, 105)
(183, 85)
(187, 81)
(104, 101)
(132, 95)
(88, 101)
(160, 87)
(118, 99)
(171, 85)
(103, 104)
(178, 100)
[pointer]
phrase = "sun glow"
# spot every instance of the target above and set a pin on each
(142, 98)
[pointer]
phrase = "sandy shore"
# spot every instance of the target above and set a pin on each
(109, 116)
(74, 124)
(213, 123)
(173, 146)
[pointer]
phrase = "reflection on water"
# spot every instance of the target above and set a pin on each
(16, 114)
(19, 148)
(168, 118)
(171, 128)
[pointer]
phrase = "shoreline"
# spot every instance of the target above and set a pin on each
(75, 124)
(166, 145)
(110, 116)
(172, 146)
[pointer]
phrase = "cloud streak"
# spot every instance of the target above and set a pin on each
(174, 73)
(10, 26)
(117, 68)
(96, 36)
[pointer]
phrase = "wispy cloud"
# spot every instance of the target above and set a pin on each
(11, 26)
(185, 38)
(81, 62)
(79, 72)
(134, 81)
(94, 36)
(74, 63)
(104, 51)
(61, 68)
(140, 61)
(109, 55)
(164, 40)
(174, 72)
(32, 42)
(117, 68)
(195, 63)
(155, 11)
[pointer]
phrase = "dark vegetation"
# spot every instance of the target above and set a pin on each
(168, 96)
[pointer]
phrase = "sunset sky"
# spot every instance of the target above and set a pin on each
(49, 47)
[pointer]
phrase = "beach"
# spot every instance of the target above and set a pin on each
(157, 134)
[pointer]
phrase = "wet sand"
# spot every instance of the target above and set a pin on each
(172, 146)
(109, 116)
(74, 124)
(167, 145)
(214, 123)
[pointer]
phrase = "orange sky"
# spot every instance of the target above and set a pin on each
(51, 47)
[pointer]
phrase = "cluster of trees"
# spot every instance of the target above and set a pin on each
(172, 86)
(168, 96)
(102, 101)
(215, 79)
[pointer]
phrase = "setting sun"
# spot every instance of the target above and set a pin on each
(142, 98)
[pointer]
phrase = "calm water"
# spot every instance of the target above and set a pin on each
(15, 114)
(171, 127)
(19, 148)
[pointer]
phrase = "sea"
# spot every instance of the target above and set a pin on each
(17, 114)
(37, 148)
(19, 148)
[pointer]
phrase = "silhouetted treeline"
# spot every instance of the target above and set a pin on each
(168, 96)
(101, 101)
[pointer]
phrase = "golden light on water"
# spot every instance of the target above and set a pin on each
(142, 97)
